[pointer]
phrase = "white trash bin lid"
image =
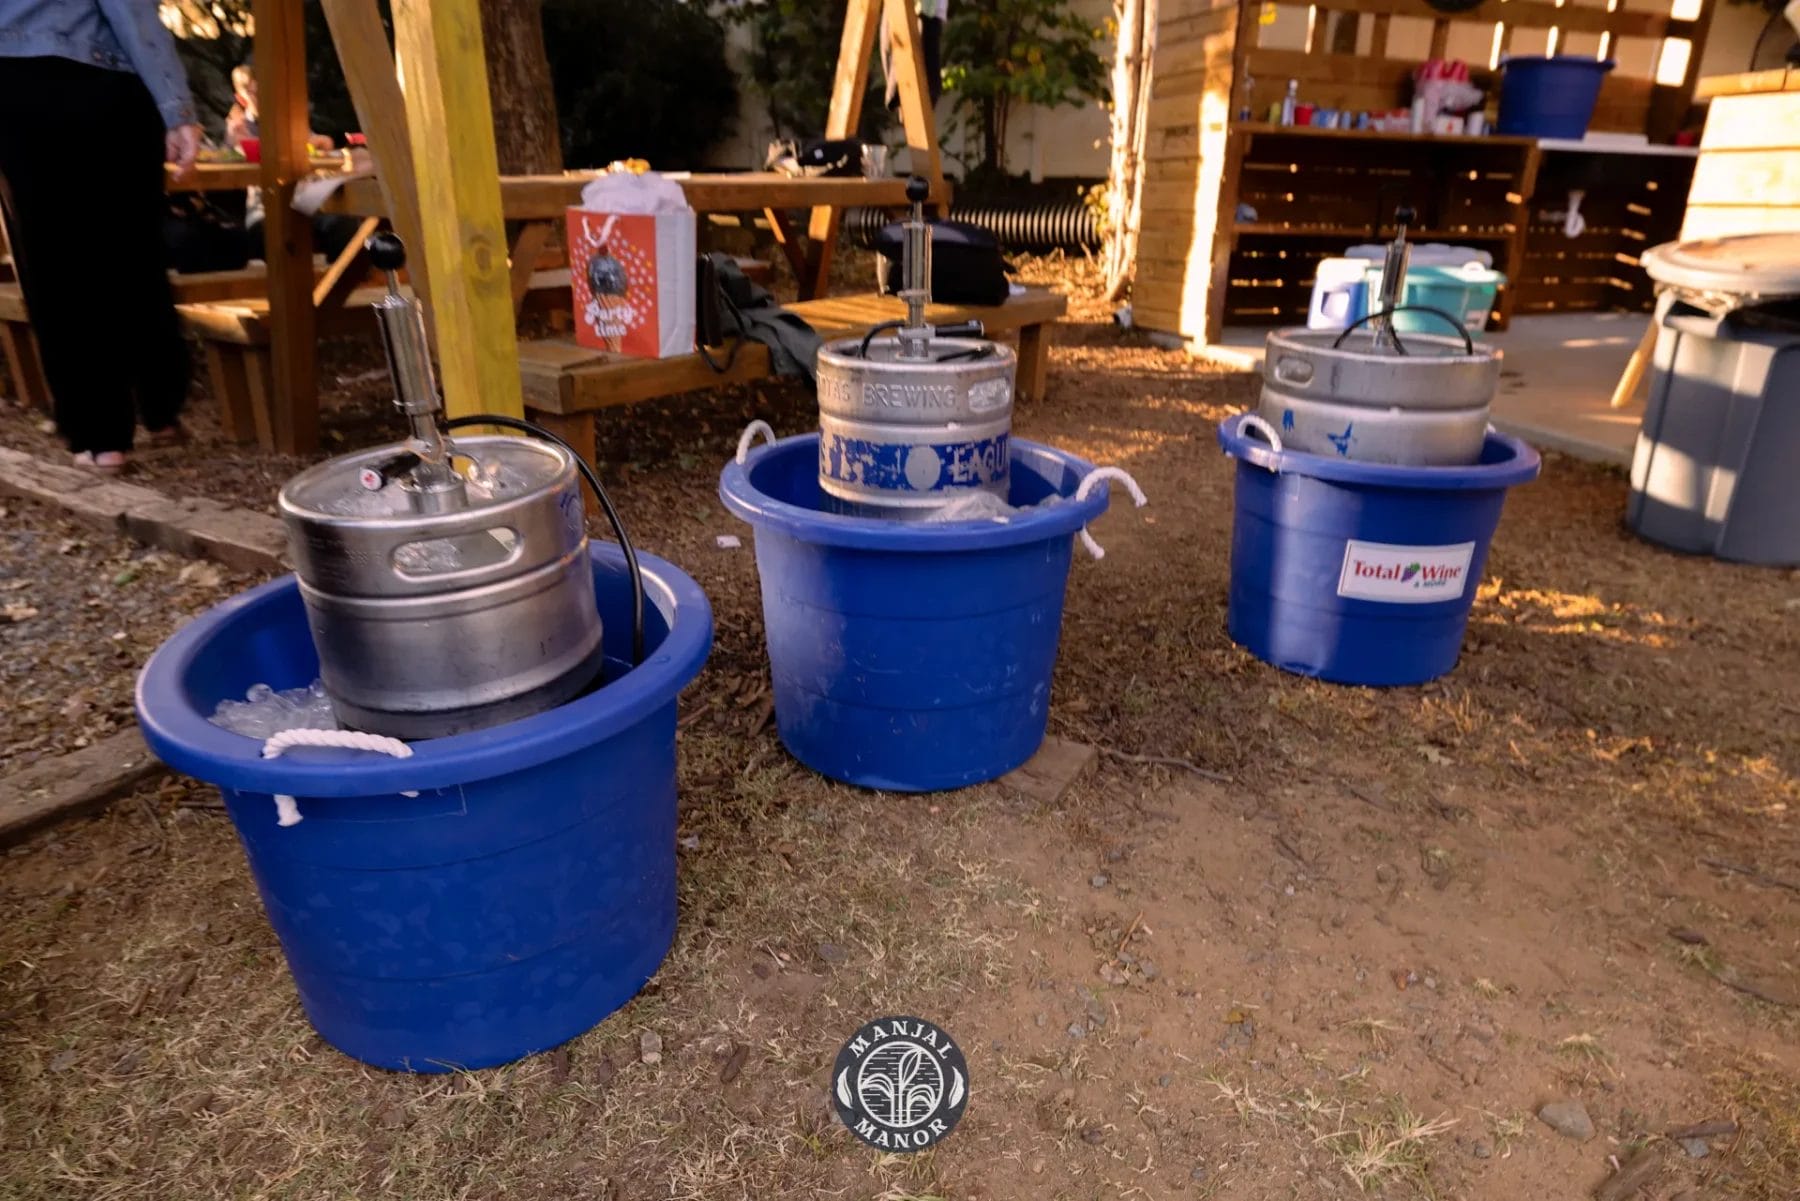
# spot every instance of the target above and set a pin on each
(1749, 267)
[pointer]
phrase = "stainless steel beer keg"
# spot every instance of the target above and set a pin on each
(1365, 394)
(911, 420)
(447, 587)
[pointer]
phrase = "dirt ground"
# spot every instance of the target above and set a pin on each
(1354, 951)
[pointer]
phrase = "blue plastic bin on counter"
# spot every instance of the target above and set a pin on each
(1549, 97)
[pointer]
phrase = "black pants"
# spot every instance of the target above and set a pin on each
(81, 177)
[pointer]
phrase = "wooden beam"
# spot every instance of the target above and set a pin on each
(288, 241)
(533, 238)
(916, 113)
(790, 244)
(862, 22)
(368, 64)
(450, 121)
(347, 271)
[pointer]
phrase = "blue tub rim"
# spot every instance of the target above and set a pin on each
(1603, 65)
(183, 738)
(1521, 464)
(749, 503)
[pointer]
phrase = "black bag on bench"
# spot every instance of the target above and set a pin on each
(966, 265)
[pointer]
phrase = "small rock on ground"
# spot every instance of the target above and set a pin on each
(650, 1048)
(1568, 1118)
(1697, 1148)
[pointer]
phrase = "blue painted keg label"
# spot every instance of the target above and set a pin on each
(1405, 575)
(912, 466)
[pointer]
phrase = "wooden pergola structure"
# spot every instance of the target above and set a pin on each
(424, 107)
(1211, 153)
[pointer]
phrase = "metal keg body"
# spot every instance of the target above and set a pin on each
(1366, 394)
(911, 421)
(446, 586)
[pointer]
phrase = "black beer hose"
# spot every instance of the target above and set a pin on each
(606, 506)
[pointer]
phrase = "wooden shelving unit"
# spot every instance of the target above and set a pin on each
(1317, 191)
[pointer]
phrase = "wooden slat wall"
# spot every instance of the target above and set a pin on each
(1191, 247)
(1186, 152)
(1629, 204)
(1747, 179)
(1380, 78)
(1315, 194)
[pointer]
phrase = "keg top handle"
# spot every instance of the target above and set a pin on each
(1468, 342)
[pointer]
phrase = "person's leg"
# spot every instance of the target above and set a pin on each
(59, 199)
(159, 354)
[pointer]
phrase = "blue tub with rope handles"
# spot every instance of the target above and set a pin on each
(912, 656)
(477, 898)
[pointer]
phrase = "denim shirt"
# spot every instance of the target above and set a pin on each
(120, 35)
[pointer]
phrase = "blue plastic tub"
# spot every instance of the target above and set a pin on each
(1361, 573)
(523, 895)
(905, 656)
(1549, 97)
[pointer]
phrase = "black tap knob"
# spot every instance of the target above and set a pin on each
(386, 251)
(1405, 215)
(917, 190)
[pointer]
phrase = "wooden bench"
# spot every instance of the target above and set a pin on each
(20, 345)
(567, 385)
(236, 335)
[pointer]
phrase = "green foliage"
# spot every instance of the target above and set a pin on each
(792, 63)
(638, 79)
(998, 53)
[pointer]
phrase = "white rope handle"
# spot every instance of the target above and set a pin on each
(1252, 422)
(287, 810)
(748, 437)
(1087, 485)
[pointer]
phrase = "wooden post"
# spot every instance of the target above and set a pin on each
(450, 122)
(368, 64)
(287, 235)
(862, 21)
(916, 114)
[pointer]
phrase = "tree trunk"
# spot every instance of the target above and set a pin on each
(1133, 65)
(519, 86)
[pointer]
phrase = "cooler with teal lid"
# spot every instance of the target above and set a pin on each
(1466, 291)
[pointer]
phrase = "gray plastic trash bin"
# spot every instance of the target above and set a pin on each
(1717, 465)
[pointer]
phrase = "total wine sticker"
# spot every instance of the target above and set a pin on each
(1405, 575)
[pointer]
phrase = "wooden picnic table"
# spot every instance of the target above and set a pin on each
(539, 200)
(217, 177)
(545, 197)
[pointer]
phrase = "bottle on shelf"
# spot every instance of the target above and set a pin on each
(1289, 102)
(1245, 111)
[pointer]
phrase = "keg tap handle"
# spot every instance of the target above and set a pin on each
(1393, 280)
(402, 324)
(915, 274)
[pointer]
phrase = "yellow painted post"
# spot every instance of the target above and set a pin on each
(450, 123)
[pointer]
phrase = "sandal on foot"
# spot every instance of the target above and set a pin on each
(106, 462)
